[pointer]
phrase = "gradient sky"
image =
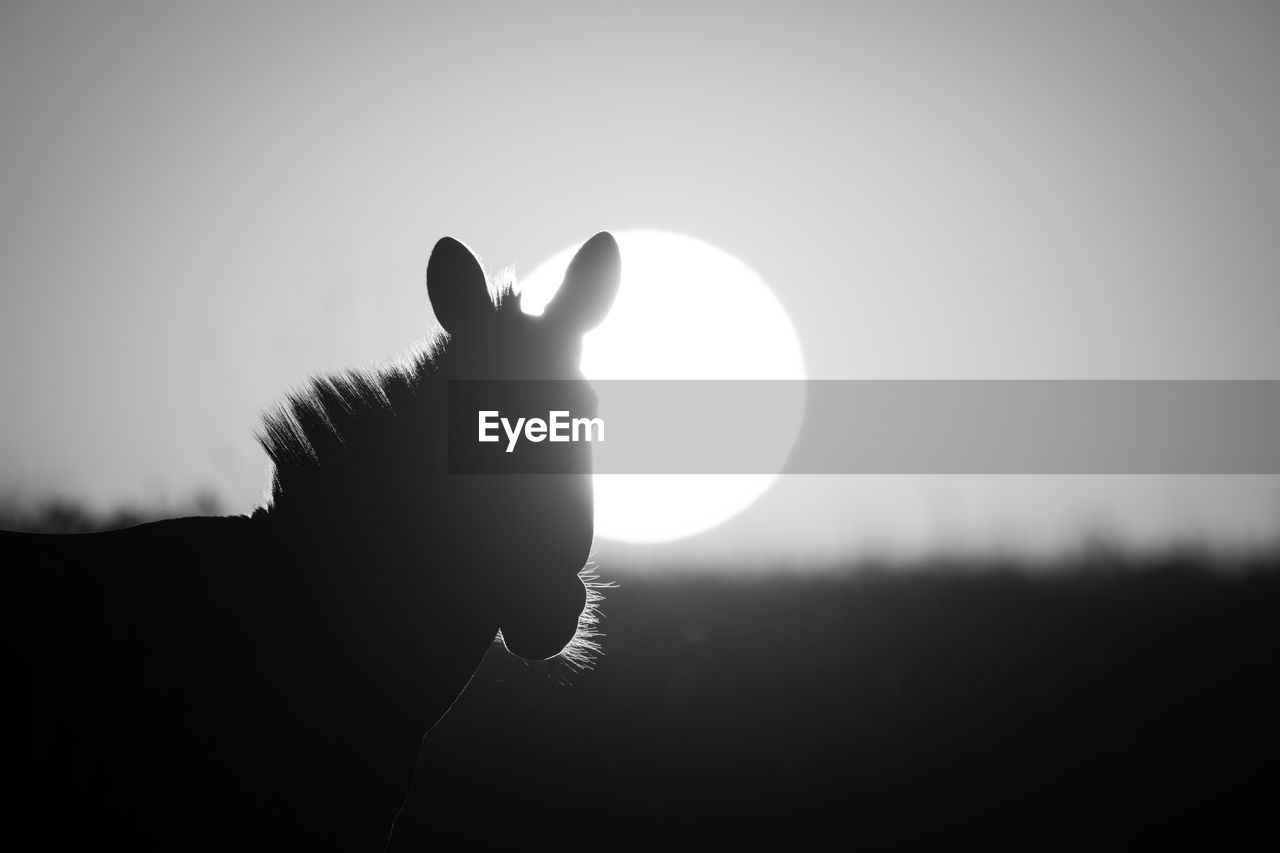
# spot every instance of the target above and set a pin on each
(203, 204)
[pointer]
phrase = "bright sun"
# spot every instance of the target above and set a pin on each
(686, 310)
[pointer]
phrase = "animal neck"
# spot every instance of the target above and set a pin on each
(360, 530)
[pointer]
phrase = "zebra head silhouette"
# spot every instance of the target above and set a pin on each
(265, 681)
(361, 462)
(543, 535)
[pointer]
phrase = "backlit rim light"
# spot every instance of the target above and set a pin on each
(685, 310)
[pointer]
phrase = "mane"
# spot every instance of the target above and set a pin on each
(335, 417)
(314, 430)
(320, 437)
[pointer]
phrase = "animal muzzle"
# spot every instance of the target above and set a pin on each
(542, 619)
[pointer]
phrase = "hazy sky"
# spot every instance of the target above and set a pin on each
(203, 204)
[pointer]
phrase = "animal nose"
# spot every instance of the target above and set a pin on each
(545, 619)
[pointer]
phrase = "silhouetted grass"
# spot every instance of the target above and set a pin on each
(1111, 703)
(59, 515)
(1107, 700)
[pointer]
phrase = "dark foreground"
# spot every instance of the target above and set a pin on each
(1112, 705)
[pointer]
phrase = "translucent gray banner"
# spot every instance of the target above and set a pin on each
(927, 427)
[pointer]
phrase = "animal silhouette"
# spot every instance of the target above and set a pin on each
(265, 681)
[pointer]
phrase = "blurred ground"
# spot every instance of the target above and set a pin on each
(1110, 704)
(1105, 701)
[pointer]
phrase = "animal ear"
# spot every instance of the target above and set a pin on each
(457, 287)
(590, 285)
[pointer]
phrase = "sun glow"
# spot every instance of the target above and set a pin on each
(685, 310)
